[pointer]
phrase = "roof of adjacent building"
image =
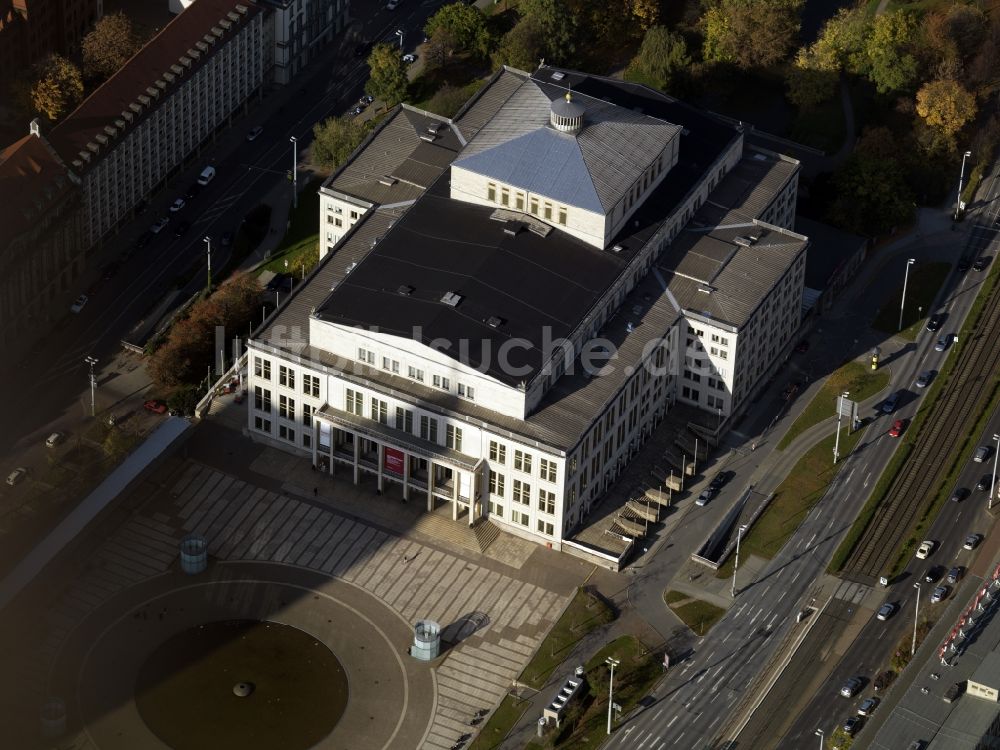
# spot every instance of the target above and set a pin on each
(32, 180)
(152, 74)
(592, 169)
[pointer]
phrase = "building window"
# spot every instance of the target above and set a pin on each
(261, 399)
(307, 439)
(505, 196)
(310, 385)
(354, 403)
(404, 419)
(545, 527)
(286, 407)
(453, 437)
(522, 492)
(498, 452)
(467, 391)
(522, 461)
(441, 382)
(354, 215)
(521, 518)
(496, 483)
(416, 374)
(262, 368)
(491, 193)
(548, 468)
(496, 509)
(366, 356)
(286, 433)
(286, 376)
(548, 212)
(429, 428)
(307, 415)
(392, 365)
(519, 202)
(380, 411)
(264, 425)
(547, 502)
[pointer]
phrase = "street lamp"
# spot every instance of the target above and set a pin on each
(93, 385)
(208, 251)
(961, 178)
(611, 687)
(840, 414)
(916, 619)
(295, 171)
(993, 479)
(819, 733)
(902, 304)
(399, 33)
(736, 564)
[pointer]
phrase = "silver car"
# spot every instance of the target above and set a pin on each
(924, 379)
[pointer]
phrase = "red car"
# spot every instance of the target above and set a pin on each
(156, 406)
(897, 428)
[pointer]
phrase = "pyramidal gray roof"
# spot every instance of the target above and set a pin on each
(592, 169)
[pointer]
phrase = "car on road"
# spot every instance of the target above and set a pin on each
(78, 304)
(926, 547)
(955, 574)
(17, 476)
(392, 5)
(982, 453)
(54, 439)
(886, 611)
(719, 480)
(984, 484)
(254, 132)
(959, 494)
(934, 573)
(159, 225)
(868, 706)
(851, 687)
(155, 405)
(182, 228)
(981, 263)
(853, 725)
(897, 428)
(972, 541)
(934, 322)
(357, 110)
(706, 495)
(924, 379)
(206, 176)
(177, 205)
(408, 59)
(889, 405)
(366, 99)
(940, 594)
(943, 342)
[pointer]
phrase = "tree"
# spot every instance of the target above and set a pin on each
(335, 140)
(463, 26)
(57, 87)
(558, 26)
(945, 107)
(522, 47)
(388, 80)
(750, 33)
(841, 42)
(108, 46)
(888, 60)
(646, 11)
(662, 57)
(808, 82)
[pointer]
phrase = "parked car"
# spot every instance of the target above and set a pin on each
(889, 405)
(934, 322)
(706, 495)
(943, 342)
(955, 574)
(934, 573)
(897, 428)
(54, 439)
(357, 110)
(159, 225)
(78, 304)
(981, 263)
(17, 476)
(924, 379)
(851, 687)
(886, 611)
(926, 547)
(206, 176)
(408, 59)
(719, 480)
(868, 706)
(982, 453)
(155, 405)
(972, 541)
(940, 594)
(959, 494)
(254, 132)
(853, 725)
(392, 5)
(984, 484)
(177, 205)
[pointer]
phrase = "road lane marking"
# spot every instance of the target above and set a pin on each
(671, 723)
(782, 595)
(770, 624)
(727, 637)
(796, 576)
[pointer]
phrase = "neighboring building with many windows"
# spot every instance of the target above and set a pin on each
(32, 29)
(524, 291)
(296, 31)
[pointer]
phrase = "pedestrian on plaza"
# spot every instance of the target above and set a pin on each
(753, 447)
(315, 491)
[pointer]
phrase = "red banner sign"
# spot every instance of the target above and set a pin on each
(393, 460)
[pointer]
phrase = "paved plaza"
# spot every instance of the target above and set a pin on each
(278, 552)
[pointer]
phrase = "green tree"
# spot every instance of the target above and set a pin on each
(57, 87)
(888, 58)
(841, 42)
(335, 139)
(807, 82)
(463, 26)
(647, 12)
(522, 47)
(388, 80)
(945, 107)
(108, 46)
(558, 24)
(750, 33)
(662, 57)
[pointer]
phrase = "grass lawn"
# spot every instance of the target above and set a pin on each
(301, 242)
(921, 289)
(855, 378)
(698, 615)
(793, 499)
(508, 713)
(585, 613)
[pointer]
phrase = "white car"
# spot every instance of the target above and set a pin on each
(16, 476)
(54, 439)
(78, 303)
(868, 706)
(925, 549)
(177, 205)
(972, 541)
(409, 58)
(254, 132)
(392, 5)
(160, 225)
(940, 594)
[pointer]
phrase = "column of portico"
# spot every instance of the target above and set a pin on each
(406, 476)
(430, 485)
(456, 483)
(381, 453)
(315, 443)
(357, 458)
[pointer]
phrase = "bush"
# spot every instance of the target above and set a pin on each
(184, 399)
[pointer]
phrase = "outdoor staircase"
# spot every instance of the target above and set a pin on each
(486, 533)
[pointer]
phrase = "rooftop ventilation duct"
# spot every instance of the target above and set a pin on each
(405, 290)
(494, 322)
(451, 299)
(387, 180)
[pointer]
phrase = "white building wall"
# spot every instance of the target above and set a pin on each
(337, 214)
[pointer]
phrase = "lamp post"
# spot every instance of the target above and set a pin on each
(961, 179)
(736, 564)
(208, 252)
(993, 479)
(902, 304)
(840, 414)
(611, 687)
(295, 171)
(399, 33)
(93, 385)
(916, 619)
(819, 733)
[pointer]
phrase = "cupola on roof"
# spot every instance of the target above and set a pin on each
(566, 115)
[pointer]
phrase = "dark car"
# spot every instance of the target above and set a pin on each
(182, 227)
(955, 574)
(934, 573)
(934, 322)
(981, 263)
(192, 191)
(852, 725)
(984, 484)
(963, 265)
(959, 494)
(719, 480)
(889, 405)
